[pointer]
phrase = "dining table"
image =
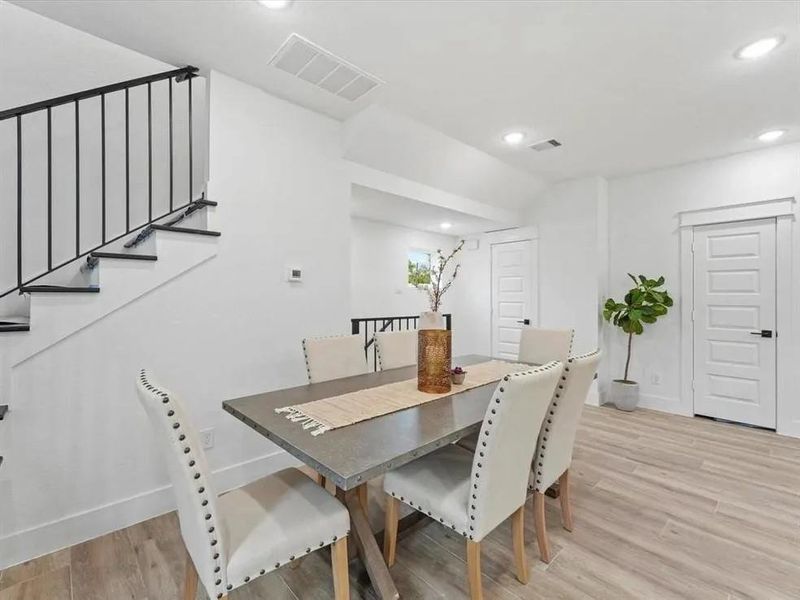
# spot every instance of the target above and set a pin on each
(351, 456)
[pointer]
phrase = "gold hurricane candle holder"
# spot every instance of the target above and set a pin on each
(434, 360)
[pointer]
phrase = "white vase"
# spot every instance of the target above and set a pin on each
(625, 394)
(431, 320)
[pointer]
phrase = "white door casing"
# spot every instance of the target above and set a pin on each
(734, 300)
(513, 294)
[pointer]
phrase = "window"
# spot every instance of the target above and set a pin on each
(419, 268)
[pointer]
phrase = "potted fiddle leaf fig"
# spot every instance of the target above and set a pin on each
(642, 305)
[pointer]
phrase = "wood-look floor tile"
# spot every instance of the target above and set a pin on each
(34, 568)
(52, 585)
(106, 568)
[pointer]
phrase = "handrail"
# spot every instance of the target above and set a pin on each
(188, 71)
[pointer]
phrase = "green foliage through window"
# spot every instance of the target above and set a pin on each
(419, 268)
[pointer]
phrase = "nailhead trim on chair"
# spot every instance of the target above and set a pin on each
(477, 466)
(538, 458)
(488, 423)
(196, 475)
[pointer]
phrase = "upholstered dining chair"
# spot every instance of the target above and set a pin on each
(234, 538)
(538, 346)
(396, 348)
(557, 437)
(473, 493)
(334, 357)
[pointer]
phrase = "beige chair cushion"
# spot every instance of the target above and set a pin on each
(539, 346)
(396, 348)
(276, 519)
(334, 357)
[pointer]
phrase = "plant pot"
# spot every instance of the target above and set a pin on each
(433, 361)
(431, 320)
(458, 378)
(624, 394)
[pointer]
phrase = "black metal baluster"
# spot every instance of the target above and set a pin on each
(366, 339)
(127, 164)
(19, 201)
(103, 164)
(77, 180)
(374, 348)
(171, 178)
(149, 152)
(191, 159)
(49, 189)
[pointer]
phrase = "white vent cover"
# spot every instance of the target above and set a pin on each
(304, 59)
(543, 145)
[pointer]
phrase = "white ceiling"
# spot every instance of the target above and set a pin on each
(377, 205)
(625, 86)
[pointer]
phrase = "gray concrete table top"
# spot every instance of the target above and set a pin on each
(352, 455)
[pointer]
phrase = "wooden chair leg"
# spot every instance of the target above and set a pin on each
(566, 509)
(541, 527)
(474, 570)
(390, 531)
(518, 534)
(341, 575)
(190, 582)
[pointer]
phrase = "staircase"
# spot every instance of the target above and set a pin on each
(111, 178)
(132, 148)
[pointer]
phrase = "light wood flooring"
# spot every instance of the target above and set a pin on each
(665, 507)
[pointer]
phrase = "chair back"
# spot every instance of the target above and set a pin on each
(505, 446)
(557, 436)
(539, 346)
(396, 348)
(179, 444)
(334, 357)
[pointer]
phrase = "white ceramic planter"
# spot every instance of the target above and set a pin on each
(431, 320)
(625, 394)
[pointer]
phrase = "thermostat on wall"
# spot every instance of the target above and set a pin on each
(294, 274)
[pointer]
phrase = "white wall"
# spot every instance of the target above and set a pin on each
(570, 257)
(78, 453)
(644, 238)
(379, 272)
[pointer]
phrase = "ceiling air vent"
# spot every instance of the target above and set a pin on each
(301, 58)
(543, 145)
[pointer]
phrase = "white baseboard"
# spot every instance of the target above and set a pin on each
(43, 539)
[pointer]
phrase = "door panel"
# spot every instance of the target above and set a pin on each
(734, 299)
(512, 295)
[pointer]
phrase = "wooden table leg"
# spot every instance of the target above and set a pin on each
(361, 533)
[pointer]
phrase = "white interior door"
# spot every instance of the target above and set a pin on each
(513, 289)
(735, 322)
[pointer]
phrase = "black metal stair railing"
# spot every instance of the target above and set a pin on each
(174, 78)
(369, 326)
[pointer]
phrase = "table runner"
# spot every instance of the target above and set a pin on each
(323, 415)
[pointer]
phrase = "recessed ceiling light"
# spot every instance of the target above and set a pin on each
(514, 138)
(276, 4)
(445, 225)
(771, 136)
(759, 48)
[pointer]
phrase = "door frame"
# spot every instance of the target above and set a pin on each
(505, 236)
(782, 210)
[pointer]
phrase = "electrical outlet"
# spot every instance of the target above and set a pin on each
(655, 378)
(207, 438)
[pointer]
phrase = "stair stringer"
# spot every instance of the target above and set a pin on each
(56, 316)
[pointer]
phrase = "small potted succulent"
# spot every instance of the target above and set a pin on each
(458, 374)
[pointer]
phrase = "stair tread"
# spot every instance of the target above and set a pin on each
(60, 288)
(3, 411)
(185, 230)
(11, 327)
(124, 256)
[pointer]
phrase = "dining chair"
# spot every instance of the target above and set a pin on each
(556, 439)
(538, 346)
(473, 493)
(334, 357)
(396, 348)
(234, 538)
